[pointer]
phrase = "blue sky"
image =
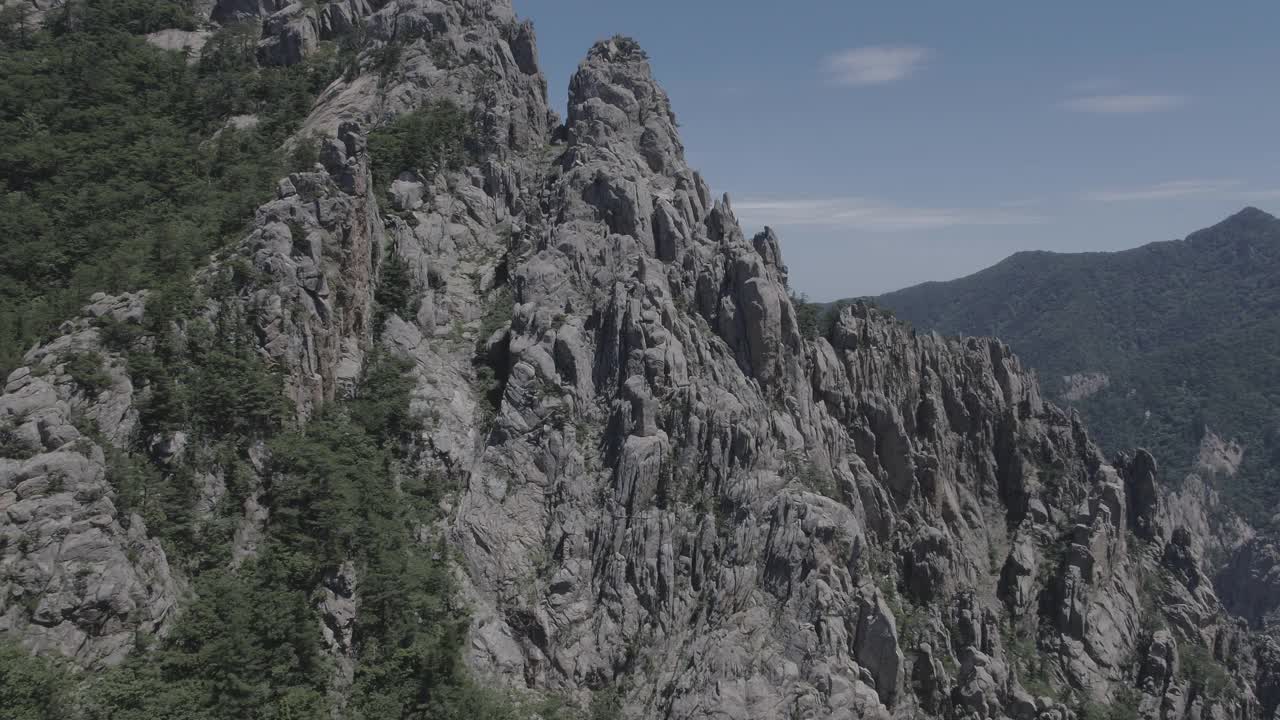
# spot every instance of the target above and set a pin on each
(894, 143)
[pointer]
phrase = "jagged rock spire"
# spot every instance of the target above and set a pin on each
(613, 97)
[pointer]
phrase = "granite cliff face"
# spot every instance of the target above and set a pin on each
(80, 578)
(667, 491)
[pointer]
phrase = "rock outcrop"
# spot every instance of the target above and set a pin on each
(1250, 582)
(78, 575)
(190, 42)
(1219, 457)
(312, 258)
(1080, 386)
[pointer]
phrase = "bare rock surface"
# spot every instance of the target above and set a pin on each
(1081, 386)
(78, 577)
(669, 489)
(1219, 457)
(190, 42)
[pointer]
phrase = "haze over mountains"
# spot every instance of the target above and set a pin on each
(1156, 345)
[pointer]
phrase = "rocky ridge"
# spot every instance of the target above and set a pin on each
(668, 491)
(80, 577)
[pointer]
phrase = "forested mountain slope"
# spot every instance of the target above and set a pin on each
(1154, 345)
(481, 414)
(125, 165)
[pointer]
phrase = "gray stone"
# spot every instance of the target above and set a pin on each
(289, 35)
(406, 195)
(190, 42)
(80, 579)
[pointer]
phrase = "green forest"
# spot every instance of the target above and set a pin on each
(1187, 330)
(119, 169)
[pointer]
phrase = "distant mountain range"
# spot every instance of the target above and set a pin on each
(1153, 345)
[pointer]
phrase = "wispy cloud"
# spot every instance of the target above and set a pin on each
(1164, 190)
(1124, 104)
(1100, 85)
(874, 65)
(1262, 194)
(870, 215)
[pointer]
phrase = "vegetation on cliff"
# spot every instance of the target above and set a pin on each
(1188, 333)
(120, 168)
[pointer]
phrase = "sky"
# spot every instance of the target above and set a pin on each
(895, 143)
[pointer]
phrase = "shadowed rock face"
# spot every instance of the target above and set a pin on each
(1250, 582)
(676, 493)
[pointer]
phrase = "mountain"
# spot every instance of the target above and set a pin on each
(1174, 346)
(481, 414)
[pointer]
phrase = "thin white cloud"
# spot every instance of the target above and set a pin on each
(1262, 194)
(874, 65)
(1100, 85)
(1124, 104)
(1023, 203)
(856, 213)
(1164, 190)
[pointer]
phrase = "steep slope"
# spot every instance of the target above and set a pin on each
(1154, 345)
(550, 425)
(129, 175)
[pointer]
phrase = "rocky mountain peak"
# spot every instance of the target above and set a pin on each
(619, 48)
(613, 97)
(659, 487)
